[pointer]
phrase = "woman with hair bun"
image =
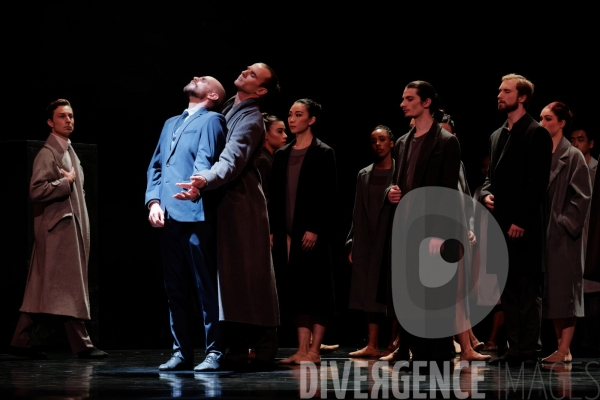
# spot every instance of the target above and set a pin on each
(301, 205)
(568, 200)
(275, 138)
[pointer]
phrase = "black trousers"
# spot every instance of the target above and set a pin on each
(522, 306)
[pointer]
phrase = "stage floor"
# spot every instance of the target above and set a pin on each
(134, 374)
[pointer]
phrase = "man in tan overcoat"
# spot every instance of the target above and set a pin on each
(57, 283)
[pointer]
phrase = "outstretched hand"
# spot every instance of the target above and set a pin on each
(196, 181)
(191, 193)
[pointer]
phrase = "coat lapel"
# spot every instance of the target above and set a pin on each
(563, 150)
(429, 143)
(184, 126)
(365, 180)
(402, 153)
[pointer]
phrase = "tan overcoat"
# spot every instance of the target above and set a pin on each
(57, 282)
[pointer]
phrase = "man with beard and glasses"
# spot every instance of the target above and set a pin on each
(514, 191)
(189, 143)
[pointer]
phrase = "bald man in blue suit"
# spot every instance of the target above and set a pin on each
(189, 143)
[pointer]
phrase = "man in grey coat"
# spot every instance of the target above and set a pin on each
(249, 307)
(57, 283)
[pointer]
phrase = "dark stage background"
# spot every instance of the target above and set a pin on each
(123, 68)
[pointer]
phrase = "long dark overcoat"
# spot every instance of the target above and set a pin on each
(305, 282)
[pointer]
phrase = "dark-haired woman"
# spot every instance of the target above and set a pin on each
(275, 138)
(367, 237)
(301, 205)
(568, 199)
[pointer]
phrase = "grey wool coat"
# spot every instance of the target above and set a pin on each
(57, 282)
(247, 291)
(367, 249)
(568, 208)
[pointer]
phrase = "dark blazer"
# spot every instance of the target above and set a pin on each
(313, 212)
(518, 178)
(438, 164)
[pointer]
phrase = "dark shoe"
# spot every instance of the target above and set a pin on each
(529, 361)
(27, 352)
(507, 359)
(175, 364)
(261, 366)
(210, 363)
(92, 353)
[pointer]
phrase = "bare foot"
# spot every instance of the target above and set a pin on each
(457, 348)
(472, 355)
(327, 348)
(477, 345)
(390, 349)
(396, 355)
(310, 357)
(558, 357)
(292, 359)
(365, 352)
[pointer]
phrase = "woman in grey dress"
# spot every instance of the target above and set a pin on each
(568, 200)
(367, 236)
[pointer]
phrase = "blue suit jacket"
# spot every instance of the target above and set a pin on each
(198, 146)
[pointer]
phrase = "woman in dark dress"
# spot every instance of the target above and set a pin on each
(366, 239)
(568, 200)
(302, 190)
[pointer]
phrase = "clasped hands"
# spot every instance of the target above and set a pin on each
(190, 190)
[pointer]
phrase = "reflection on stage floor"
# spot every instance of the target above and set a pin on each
(134, 373)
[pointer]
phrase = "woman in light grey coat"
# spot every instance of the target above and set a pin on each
(568, 200)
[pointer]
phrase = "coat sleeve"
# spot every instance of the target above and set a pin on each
(486, 188)
(574, 212)
(320, 221)
(357, 203)
(47, 182)
(154, 172)
(276, 192)
(395, 176)
(211, 143)
(451, 167)
(245, 137)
